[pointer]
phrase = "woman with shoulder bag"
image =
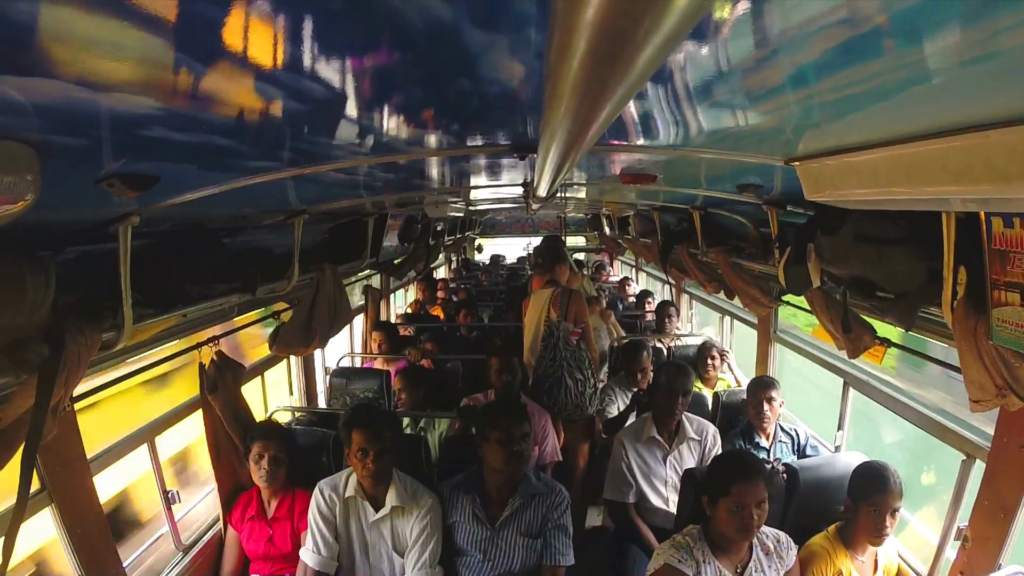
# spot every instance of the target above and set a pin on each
(560, 356)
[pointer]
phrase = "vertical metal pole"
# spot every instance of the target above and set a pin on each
(766, 326)
(291, 384)
(161, 485)
(963, 477)
(263, 386)
(844, 417)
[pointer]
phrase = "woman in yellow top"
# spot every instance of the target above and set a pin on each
(716, 369)
(860, 544)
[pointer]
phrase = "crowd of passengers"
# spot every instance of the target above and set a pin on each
(521, 509)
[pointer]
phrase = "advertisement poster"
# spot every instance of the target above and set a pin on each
(535, 226)
(1004, 257)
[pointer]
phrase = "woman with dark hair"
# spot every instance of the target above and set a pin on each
(267, 524)
(734, 540)
(385, 340)
(716, 369)
(860, 544)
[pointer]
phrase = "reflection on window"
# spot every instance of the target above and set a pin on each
(116, 413)
(927, 466)
(38, 549)
(812, 394)
(923, 383)
(185, 460)
(279, 391)
(131, 503)
(707, 322)
(744, 348)
(9, 481)
(339, 346)
(253, 394)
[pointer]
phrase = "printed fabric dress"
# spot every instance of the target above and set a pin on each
(774, 553)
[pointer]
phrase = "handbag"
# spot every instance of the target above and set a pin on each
(564, 381)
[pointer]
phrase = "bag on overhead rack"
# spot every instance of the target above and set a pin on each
(319, 316)
(752, 296)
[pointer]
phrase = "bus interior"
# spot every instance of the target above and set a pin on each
(825, 187)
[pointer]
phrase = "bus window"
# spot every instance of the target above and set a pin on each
(9, 481)
(185, 461)
(277, 381)
(744, 347)
(252, 391)
(39, 549)
(131, 503)
(812, 393)
(927, 466)
(707, 322)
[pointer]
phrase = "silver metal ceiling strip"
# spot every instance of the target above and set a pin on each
(702, 153)
(589, 80)
(324, 167)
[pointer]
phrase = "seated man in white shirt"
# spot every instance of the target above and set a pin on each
(625, 393)
(648, 459)
(371, 518)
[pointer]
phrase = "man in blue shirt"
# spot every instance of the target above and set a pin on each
(502, 518)
(763, 434)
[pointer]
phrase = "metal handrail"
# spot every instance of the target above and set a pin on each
(458, 325)
(174, 356)
(659, 337)
(404, 357)
(400, 413)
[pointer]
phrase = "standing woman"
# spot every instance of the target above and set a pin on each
(385, 340)
(563, 377)
(734, 541)
(267, 524)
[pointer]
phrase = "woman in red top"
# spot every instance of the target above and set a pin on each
(267, 524)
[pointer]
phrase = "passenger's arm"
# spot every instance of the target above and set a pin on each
(556, 548)
(712, 448)
(320, 552)
(423, 556)
(624, 514)
(581, 317)
(233, 558)
(794, 570)
(611, 426)
(548, 450)
(302, 569)
(730, 362)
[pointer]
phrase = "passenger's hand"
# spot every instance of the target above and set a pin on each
(728, 359)
(637, 400)
(607, 316)
(415, 354)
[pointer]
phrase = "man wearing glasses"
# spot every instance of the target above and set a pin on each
(763, 434)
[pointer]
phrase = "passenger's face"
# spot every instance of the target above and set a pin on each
(465, 316)
(407, 397)
(711, 364)
(503, 380)
(666, 322)
(637, 373)
(507, 450)
(432, 347)
(741, 514)
(371, 459)
(627, 287)
(442, 288)
(379, 343)
(423, 291)
(268, 465)
(875, 519)
(463, 294)
(763, 408)
(669, 405)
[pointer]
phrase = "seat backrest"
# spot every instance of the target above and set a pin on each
(348, 386)
(815, 491)
(727, 412)
(699, 406)
(412, 456)
(458, 454)
(631, 326)
(320, 453)
(690, 507)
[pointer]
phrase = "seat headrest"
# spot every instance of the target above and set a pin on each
(320, 454)
(631, 326)
(727, 412)
(815, 492)
(422, 319)
(686, 353)
(412, 457)
(348, 386)
(700, 407)
(690, 507)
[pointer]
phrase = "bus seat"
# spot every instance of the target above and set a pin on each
(412, 456)
(727, 411)
(348, 386)
(458, 454)
(690, 508)
(321, 453)
(699, 406)
(631, 326)
(815, 491)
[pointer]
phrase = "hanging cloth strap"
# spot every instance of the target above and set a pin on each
(533, 325)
